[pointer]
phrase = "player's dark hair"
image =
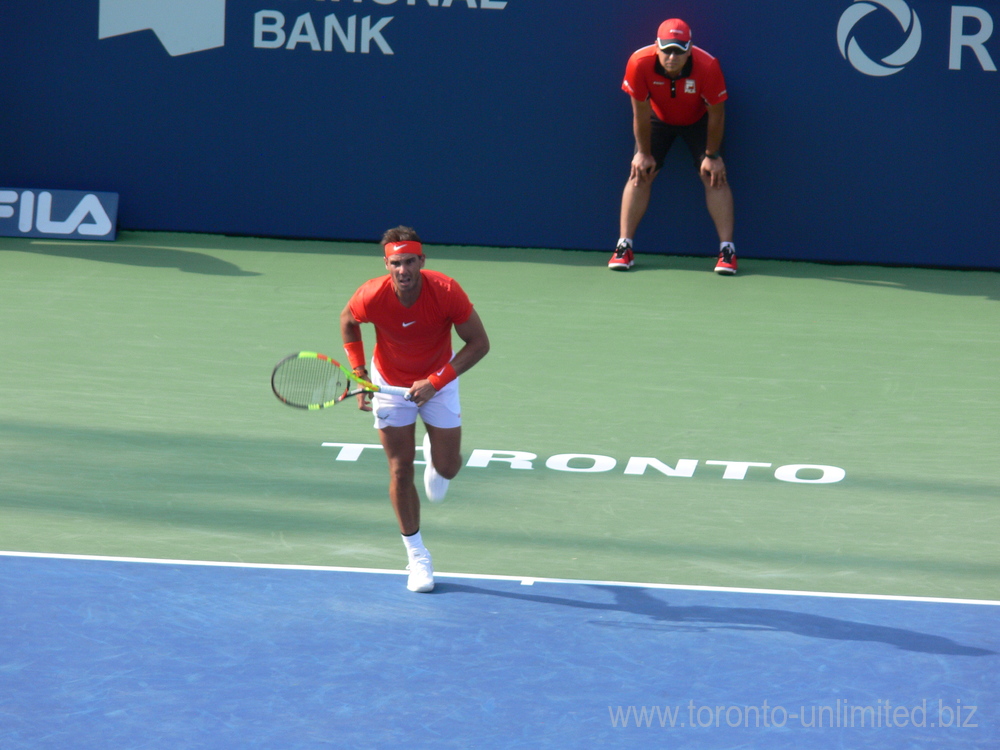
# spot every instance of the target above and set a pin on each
(400, 234)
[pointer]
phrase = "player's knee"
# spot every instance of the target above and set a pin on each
(401, 472)
(447, 463)
(450, 469)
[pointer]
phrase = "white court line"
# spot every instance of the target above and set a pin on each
(524, 580)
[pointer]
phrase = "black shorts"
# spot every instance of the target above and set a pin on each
(663, 136)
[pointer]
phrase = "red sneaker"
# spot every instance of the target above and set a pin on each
(727, 261)
(623, 258)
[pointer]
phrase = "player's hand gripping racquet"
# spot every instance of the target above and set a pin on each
(309, 380)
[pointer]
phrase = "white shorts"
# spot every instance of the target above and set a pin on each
(444, 410)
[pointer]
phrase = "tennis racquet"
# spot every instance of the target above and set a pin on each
(309, 380)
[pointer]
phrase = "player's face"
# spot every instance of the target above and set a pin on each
(405, 271)
(673, 59)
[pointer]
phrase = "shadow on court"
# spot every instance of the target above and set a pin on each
(965, 283)
(140, 255)
(186, 254)
(985, 284)
(638, 601)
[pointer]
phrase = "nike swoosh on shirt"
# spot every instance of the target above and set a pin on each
(407, 325)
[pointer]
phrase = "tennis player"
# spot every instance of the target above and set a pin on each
(414, 311)
(676, 89)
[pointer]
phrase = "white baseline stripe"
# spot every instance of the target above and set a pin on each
(524, 580)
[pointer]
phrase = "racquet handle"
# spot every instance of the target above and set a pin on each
(395, 390)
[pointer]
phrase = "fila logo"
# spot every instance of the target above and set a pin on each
(690, 86)
(182, 26)
(92, 216)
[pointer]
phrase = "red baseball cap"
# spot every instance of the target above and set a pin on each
(674, 33)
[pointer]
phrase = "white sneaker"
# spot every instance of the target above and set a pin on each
(435, 485)
(421, 578)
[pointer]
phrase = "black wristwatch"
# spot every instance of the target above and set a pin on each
(712, 156)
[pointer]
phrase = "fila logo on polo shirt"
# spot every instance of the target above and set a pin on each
(690, 85)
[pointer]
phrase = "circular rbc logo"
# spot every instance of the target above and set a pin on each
(889, 64)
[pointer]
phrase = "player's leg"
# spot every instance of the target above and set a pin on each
(396, 421)
(442, 416)
(446, 449)
(400, 450)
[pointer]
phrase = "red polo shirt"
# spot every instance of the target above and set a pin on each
(676, 101)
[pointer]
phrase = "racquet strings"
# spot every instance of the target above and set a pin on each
(306, 381)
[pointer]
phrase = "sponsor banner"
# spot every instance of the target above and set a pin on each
(66, 214)
(856, 130)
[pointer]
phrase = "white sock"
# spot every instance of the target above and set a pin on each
(626, 240)
(414, 544)
(722, 246)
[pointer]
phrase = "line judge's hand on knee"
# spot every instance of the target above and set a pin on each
(643, 167)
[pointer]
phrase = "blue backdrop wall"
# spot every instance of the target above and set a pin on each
(857, 131)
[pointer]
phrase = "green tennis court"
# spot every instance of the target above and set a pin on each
(800, 426)
(661, 465)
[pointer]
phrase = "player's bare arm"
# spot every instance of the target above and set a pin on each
(477, 345)
(350, 331)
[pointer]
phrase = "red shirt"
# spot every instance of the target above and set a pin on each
(678, 101)
(411, 342)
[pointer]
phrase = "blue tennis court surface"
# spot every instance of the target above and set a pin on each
(112, 653)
